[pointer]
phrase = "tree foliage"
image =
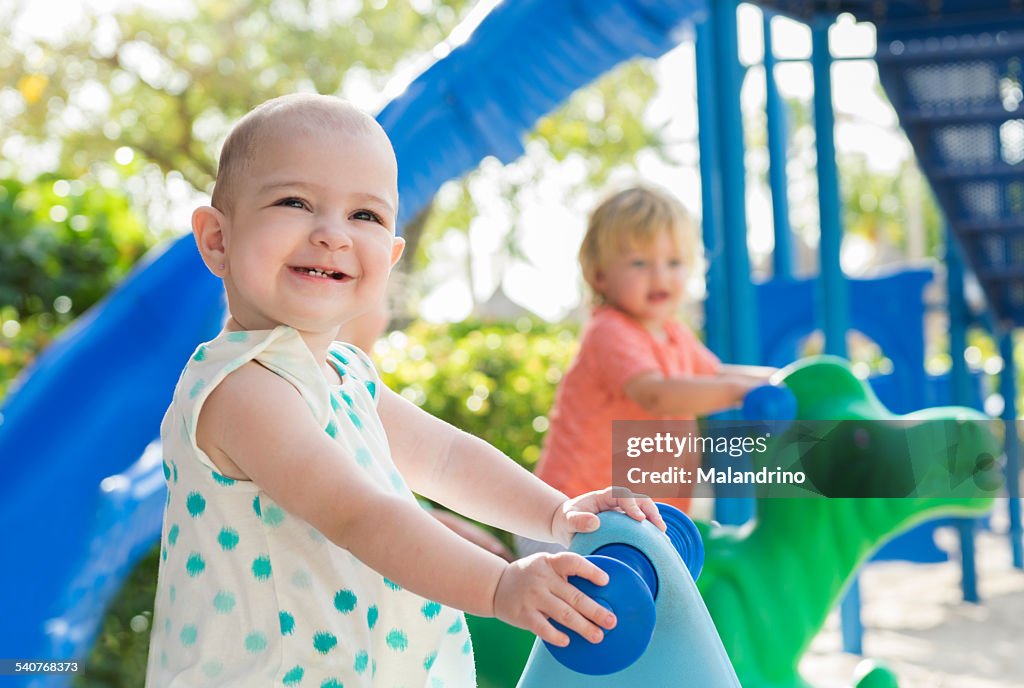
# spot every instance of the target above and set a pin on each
(63, 245)
(169, 83)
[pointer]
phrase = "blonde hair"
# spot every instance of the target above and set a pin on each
(634, 217)
(302, 112)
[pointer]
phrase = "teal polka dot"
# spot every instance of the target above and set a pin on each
(174, 470)
(163, 660)
(301, 579)
(363, 457)
(356, 421)
(188, 635)
(371, 616)
(261, 567)
(196, 504)
(431, 609)
(222, 479)
(213, 668)
(238, 336)
(347, 398)
(345, 601)
(362, 661)
(429, 661)
(435, 682)
(167, 470)
(373, 667)
(172, 534)
(324, 642)
(341, 358)
(332, 429)
(287, 623)
(397, 640)
(227, 539)
(172, 593)
(196, 389)
(396, 481)
(467, 647)
(273, 516)
(456, 627)
(256, 506)
(335, 404)
(163, 554)
(391, 584)
(200, 353)
(294, 676)
(332, 683)
(223, 602)
(255, 642)
(195, 564)
(371, 386)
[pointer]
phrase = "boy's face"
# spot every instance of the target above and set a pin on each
(645, 281)
(311, 240)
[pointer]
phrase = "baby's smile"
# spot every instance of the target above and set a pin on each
(657, 296)
(322, 273)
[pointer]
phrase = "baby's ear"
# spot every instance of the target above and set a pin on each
(397, 248)
(208, 225)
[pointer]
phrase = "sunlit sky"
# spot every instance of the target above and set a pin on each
(549, 226)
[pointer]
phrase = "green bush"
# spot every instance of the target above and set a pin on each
(496, 381)
(63, 245)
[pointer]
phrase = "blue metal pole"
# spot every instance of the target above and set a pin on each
(959, 382)
(778, 125)
(716, 311)
(834, 306)
(720, 78)
(959, 321)
(834, 299)
(1008, 388)
(742, 306)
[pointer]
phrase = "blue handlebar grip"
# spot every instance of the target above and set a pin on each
(769, 402)
(627, 596)
(678, 644)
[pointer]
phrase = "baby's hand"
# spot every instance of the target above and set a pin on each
(535, 589)
(579, 515)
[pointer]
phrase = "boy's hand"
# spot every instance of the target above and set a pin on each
(579, 515)
(535, 589)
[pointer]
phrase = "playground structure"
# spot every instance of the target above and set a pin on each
(953, 82)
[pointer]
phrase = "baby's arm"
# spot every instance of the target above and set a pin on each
(695, 395)
(255, 426)
(470, 476)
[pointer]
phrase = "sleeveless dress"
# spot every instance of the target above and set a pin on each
(251, 595)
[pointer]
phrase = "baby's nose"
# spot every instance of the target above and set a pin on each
(332, 235)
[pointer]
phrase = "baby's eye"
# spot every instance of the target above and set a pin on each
(638, 263)
(368, 216)
(292, 202)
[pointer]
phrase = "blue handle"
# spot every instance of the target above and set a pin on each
(630, 593)
(769, 402)
(628, 597)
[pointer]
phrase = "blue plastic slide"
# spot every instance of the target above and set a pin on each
(84, 412)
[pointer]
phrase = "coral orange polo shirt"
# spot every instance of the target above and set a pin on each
(614, 349)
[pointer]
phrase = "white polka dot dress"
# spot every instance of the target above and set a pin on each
(249, 594)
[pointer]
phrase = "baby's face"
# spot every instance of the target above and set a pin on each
(647, 281)
(311, 238)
